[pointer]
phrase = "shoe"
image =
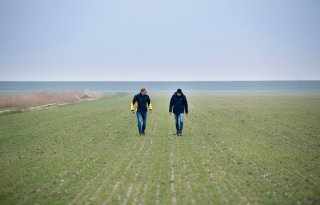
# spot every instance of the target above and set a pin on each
(180, 134)
(140, 133)
(143, 133)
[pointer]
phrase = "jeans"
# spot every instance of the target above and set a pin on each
(177, 118)
(142, 121)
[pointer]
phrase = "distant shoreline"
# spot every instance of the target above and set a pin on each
(154, 80)
(38, 100)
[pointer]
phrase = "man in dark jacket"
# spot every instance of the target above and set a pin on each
(179, 104)
(142, 102)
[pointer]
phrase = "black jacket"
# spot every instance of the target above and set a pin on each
(142, 102)
(179, 104)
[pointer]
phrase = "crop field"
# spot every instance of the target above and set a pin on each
(235, 149)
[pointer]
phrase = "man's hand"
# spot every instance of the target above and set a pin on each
(132, 111)
(170, 113)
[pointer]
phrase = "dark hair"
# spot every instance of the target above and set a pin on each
(179, 91)
(143, 89)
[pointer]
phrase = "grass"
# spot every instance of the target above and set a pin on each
(236, 149)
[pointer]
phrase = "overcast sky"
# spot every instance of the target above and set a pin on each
(159, 40)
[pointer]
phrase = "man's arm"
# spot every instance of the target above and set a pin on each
(171, 104)
(186, 104)
(149, 104)
(132, 103)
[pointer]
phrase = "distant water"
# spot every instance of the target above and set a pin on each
(193, 86)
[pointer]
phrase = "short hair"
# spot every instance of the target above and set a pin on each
(143, 89)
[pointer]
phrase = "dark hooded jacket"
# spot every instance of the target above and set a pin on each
(178, 103)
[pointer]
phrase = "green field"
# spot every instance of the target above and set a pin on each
(236, 149)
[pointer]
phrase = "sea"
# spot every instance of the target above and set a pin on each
(161, 86)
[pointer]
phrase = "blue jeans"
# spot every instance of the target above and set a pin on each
(142, 121)
(177, 118)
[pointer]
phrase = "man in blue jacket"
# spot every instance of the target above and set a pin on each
(179, 104)
(142, 102)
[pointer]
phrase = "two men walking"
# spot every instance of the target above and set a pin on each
(178, 105)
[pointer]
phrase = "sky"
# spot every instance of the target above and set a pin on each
(167, 40)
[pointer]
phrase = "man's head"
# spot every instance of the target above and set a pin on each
(143, 91)
(179, 92)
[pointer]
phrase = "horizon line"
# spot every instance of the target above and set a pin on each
(154, 80)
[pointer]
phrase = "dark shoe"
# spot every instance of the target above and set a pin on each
(143, 133)
(180, 134)
(140, 133)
